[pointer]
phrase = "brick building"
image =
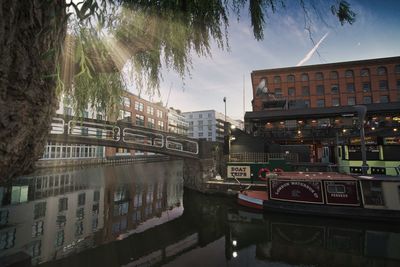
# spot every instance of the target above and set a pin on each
(314, 106)
(141, 113)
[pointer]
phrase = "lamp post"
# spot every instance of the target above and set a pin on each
(225, 127)
(361, 112)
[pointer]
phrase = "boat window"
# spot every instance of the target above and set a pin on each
(336, 188)
(373, 194)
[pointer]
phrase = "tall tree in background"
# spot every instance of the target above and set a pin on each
(40, 55)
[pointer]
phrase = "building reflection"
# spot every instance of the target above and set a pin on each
(53, 215)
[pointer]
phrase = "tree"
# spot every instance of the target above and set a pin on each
(35, 55)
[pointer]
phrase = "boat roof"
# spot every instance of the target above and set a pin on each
(315, 176)
(379, 178)
(334, 176)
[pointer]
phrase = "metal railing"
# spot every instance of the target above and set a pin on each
(109, 132)
(258, 157)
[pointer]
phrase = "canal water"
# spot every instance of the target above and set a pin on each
(140, 215)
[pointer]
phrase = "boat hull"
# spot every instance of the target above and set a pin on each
(259, 200)
(252, 199)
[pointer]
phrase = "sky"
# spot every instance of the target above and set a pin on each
(375, 34)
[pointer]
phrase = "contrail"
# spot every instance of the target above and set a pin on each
(312, 51)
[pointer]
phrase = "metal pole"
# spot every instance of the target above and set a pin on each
(361, 111)
(225, 125)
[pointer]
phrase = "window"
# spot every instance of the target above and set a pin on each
(209, 115)
(383, 85)
(60, 238)
(159, 114)
(200, 116)
(39, 210)
(398, 84)
(150, 123)
(160, 125)
(320, 103)
(277, 79)
(126, 102)
(150, 110)
(139, 106)
(339, 189)
(7, 239)
(78, 228)
(335, 89)
(62, 204)
(334, 75)
(80, 213)
(305, 91)
(139, 120)
(124, 114)
(304, 77)
(81, 199)
(320, 89)
(351, 101)
(4, 217)
(200, 134)
(335, 102)
(384, 99)
(319, 76)
(209, 133)
(397, 69)
(364, 72)
(291, 91)
(68, 111)
(366, 87)
(381, 71)
(37, 229)
(96, 196)
(291, 78)
(307, 103)
(372, 191)
(349, 74)
(350, 88)
(367, 100)
(278, 92)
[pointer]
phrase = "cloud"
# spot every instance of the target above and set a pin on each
(312, 51)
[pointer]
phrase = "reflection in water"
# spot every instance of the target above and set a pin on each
(51, 216)
(133, 215)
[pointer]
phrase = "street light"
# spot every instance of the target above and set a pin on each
(225, 130)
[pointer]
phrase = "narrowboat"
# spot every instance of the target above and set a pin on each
(328, 194)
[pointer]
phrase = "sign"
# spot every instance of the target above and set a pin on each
(239, 172)
(296, 191)
(369, 140)
(391, 140)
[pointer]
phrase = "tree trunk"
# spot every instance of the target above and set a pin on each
(31, 34)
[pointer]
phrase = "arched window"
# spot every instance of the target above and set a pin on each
(277, 79)
(319, 76)
(349, 74)
(304, 77)
(334, 75)
(381, 70)
(290, 78)
(397, 69)
(364, 72)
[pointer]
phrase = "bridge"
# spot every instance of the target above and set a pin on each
(121, 134)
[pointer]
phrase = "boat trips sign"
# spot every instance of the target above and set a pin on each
(239, 172)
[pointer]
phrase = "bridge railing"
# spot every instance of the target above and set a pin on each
(94, 130)
(123, 132)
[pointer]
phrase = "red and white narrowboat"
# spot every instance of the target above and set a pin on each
(329, 194)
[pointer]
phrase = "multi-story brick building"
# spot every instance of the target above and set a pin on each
(328, 85)
(314, 106)
(141, 113)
